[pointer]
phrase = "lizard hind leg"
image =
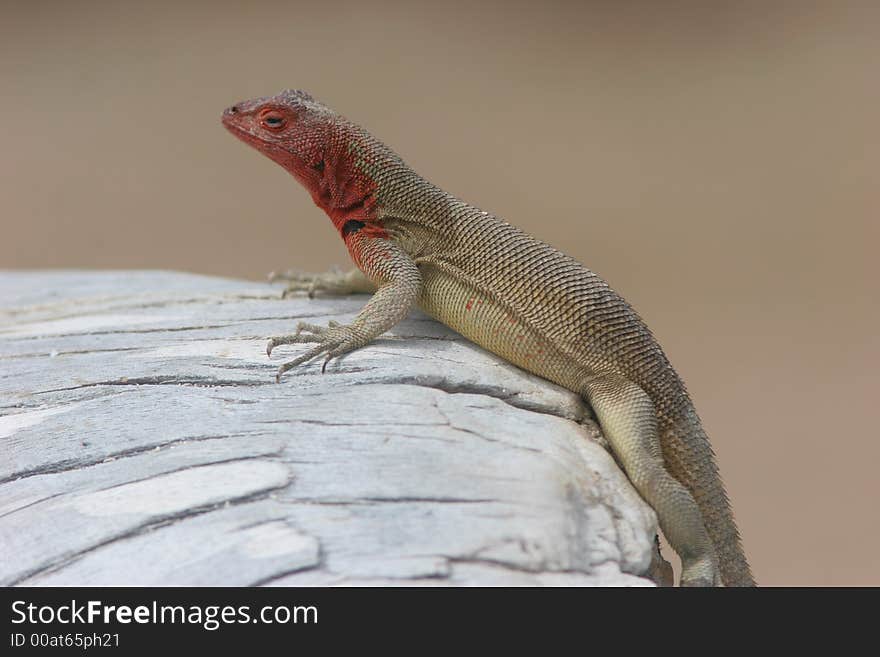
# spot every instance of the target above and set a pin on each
(626, 415)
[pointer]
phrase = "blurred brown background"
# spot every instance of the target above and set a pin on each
(720, 166)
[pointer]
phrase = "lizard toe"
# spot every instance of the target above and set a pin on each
(332, 340)
(700, 573)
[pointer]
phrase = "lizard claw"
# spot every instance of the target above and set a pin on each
(333, 340)
(300, 281)
(702, 572)
(334, 282)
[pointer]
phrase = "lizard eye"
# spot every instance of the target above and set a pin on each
(272, 119)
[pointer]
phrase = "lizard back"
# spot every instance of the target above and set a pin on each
(549, 314)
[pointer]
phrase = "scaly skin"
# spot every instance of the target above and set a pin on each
(511, 294)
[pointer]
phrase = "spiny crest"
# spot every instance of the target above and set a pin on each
(297, 94)
(303, 99)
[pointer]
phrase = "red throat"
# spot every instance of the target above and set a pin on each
(319, 153)
(347, 194)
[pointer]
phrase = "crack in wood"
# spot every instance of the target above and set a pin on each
(152, 525)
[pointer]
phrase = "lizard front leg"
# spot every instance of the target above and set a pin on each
(333, 282)
(398, 283)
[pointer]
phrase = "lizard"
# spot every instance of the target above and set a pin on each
(517, 297)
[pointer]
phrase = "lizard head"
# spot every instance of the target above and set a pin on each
(291, 128)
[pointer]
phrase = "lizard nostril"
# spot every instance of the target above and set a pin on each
(233, 109)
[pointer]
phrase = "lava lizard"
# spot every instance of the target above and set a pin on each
(415, 244)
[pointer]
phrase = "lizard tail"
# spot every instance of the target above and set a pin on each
(690, 459)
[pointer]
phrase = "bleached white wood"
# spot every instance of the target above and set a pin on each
(143, 440)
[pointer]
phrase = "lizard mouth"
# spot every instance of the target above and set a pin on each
(276, 152)
(231, 123)
(231, 120)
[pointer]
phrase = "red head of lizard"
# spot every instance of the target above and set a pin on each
(318, 147)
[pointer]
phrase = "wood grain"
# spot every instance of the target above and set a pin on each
(144, 441)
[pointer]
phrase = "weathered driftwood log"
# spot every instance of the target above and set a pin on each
(144, 441)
